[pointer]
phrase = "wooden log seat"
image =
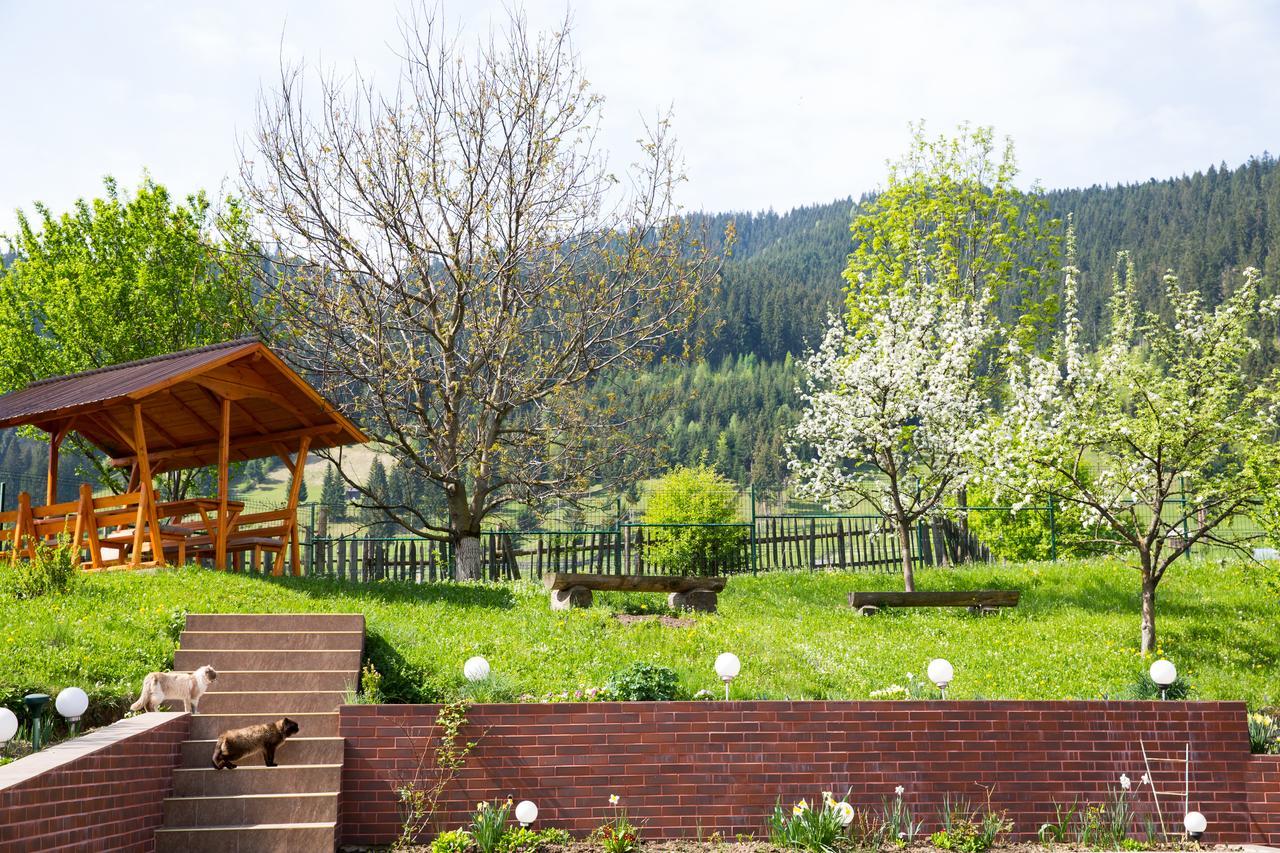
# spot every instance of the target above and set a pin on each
(983, 601)
(569, 589)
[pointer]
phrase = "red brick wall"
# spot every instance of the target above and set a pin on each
(109, 799)
(1264, 799)
(685, 768)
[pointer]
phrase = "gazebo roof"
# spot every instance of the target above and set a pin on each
(180, 395)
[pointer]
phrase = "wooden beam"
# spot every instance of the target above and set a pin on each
(224, 460)
(633, 583)
(238, 391)
(243, 441)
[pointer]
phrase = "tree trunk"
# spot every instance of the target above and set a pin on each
(468, 558)
(904, 542)
(1148, 611)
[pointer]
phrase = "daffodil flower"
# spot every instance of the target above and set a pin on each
(899, 790)
(1125, 784)
(613, 799)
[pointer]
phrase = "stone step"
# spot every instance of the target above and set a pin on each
(296, 750)
(285, 779)
(281, 702)
(285, 640)
(257, 838)
(275, 622)
(251, 809)
(267, 659)
(253, 681)
(210, 726)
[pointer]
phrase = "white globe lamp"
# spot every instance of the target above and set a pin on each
(940, 673)
(1195, 825)
(1163, 673)
(8, 725)
(526, 812)
(476, 669)
(727, 667)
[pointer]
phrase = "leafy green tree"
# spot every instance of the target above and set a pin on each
(120, 278)
(1161, 438)
(693, 510)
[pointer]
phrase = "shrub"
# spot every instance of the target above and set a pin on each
(968, 830)
(644, 682)
(1144, 688)
(705, 502)
(525, 840)
(453, 841)
(52, 569)
(1025, 535)
(370, 685)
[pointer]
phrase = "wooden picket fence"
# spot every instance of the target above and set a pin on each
(774, 543)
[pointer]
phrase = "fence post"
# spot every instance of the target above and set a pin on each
(1053, 533)
(1186, 534)
(754, 558)
(3, 489)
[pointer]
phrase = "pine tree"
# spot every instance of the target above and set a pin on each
(332, 495)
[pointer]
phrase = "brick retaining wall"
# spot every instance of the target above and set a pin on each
(103, 791)
(1264, 799)
(685, 768)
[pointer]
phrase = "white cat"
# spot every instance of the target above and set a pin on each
(160, 687)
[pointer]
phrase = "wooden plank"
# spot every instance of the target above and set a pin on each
(224, 460)
(632, 583)
(937, 598)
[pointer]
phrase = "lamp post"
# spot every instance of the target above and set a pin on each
(940, 673)
(71, 703)
(476, 669)
(727, 667)
(1195, 824)
(1163, 673)
(35, 703)
(526, 812)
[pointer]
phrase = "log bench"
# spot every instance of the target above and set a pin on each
(570, 589)
(983, 601)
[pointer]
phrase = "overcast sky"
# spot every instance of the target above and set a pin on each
(776, 103)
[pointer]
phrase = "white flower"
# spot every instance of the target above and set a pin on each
(1124, 782)
(1146, 779)
(800, 808)
(899, 790)
(613, 799)
(844, 813)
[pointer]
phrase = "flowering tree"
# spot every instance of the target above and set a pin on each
(893, 409)
(1160, 437)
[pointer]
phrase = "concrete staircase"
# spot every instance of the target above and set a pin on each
(269, 666)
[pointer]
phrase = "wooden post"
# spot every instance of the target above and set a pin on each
(147, 500)
(295, 551)
(224, 460)
(55, 444)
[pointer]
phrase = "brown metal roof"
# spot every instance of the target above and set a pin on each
(180, 395)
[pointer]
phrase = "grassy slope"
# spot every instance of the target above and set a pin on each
(1074, 635)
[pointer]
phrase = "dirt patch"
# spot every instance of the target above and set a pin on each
(665, 621)
(714, 846)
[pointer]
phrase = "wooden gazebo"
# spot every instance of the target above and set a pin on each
(203, 407)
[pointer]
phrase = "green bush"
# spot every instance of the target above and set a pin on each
(644, 682)
(453, 841)
(1144, 688)
(51, 570)
(1025, 535)
(708, 504)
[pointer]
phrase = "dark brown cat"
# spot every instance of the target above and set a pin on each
(265, 737)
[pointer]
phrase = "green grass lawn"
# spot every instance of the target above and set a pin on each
(1075, 634)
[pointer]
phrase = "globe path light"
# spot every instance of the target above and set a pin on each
(71, 703)
(8, 725)
(727, 667)
(940, 673)
(526, 812)
(1195, 824)
(1163, 673)
(476, 669)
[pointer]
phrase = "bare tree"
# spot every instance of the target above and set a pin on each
(462, 266)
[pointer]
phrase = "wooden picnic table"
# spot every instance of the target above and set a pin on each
(176, 534)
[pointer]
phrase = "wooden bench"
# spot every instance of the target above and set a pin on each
(983, 601)
(569, 589)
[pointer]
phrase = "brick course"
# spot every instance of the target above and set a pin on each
(1264, 799)
(689, 768)
(101, 792)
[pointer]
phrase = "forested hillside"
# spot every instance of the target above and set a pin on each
(784, 276)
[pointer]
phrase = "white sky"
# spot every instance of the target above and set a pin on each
(776, 103)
